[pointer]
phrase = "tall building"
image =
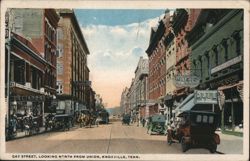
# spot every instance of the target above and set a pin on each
(157, 66)
(32, 59)
(183, 22)
(217, 57)
(170, 43)
(73, 85)
(141, 78)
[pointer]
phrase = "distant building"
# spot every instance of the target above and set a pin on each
(141, 77)
(124, 101)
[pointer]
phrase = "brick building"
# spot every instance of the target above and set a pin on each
(72, 70)
(157, 65)
(35, 34)
(27, 73)
(183, 22)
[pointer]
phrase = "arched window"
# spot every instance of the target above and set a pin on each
(237, 37)
(216, 54)
(225, 46)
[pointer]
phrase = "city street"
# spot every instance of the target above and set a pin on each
(111, 138)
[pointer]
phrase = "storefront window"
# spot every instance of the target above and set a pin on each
(198, 118)
(211, 119)
(204, 119)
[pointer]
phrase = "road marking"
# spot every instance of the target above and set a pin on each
(109, 139)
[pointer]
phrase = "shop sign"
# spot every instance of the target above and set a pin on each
(186, 81)
(227, 64)
(205, 97)
(29, 98)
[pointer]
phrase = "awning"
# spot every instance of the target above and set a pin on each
(186, 105)
(230, 86)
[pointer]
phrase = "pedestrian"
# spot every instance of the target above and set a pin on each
(143, 122)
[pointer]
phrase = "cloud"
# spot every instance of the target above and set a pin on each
(114, 55)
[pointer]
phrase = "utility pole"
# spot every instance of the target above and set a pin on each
(8, 29)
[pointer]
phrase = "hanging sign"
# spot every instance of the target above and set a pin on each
(206, 96)
(186, 81)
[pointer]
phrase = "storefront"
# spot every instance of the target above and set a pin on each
(169, 102)
(27, 102)
(200, 100)
(232, 108)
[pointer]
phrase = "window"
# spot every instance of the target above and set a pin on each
(237, 39)
(215, 50)
(204, 120)
(225, 45)
(18, 24)
(59, 34)
(208, 62)
(198, 118)
(211, 119)
(59, 68)
(59, 52)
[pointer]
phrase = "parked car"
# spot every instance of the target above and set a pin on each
(156, 124)
(126, 119)
(197, 129)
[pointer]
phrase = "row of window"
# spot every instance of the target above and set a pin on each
(50, 53)
(50, 31)
(155, 86)
(228, 48)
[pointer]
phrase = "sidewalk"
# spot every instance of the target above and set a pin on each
(22, 134)
(230, 144)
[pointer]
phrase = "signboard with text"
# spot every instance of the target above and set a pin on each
(206, 97)
(227, 64)
(186, 81)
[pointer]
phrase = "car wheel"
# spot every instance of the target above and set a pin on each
(213, 147)
(184, 145)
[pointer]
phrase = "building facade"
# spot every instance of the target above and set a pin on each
(32, 59)
(170, 43)
(27, 73)
(157, 66)
(72, 70)
(217, 55)
(183, 21)
(141, 85)
(124, 101)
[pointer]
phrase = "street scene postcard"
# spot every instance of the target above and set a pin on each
(124, 80)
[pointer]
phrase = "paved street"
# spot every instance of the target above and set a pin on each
(111, 138)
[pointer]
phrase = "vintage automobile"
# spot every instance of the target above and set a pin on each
(49, 121)
(104, 116)
(126, 119)
(156, 124)
(196, 129)
(62, 120)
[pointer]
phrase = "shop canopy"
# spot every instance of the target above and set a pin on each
(186, 105)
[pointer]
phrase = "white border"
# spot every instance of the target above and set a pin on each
(135, 4)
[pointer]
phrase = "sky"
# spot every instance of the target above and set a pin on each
(116, 39)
